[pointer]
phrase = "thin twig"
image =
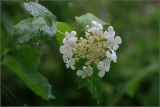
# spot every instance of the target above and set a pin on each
(10, 94)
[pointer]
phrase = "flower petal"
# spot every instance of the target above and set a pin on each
(118, 40)
(111, 55)
(67, 65)
(72, 61)
(108, 54)
(73, 33)
(111, 31)
(73, 39)
(66, 34)
(79, 72)
(100, 26)
(65, 58)
(72, 67)
(65, 41)
(62, 49)
(110, 28)
(101, 74)
(94, 23)
(105, 35)
(115, 46)
(89, 71)
(100, 64)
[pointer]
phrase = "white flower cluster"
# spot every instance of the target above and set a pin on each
(87, 71)
(97, 47)
(67, 49)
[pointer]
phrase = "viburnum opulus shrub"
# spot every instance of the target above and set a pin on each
(90, 55)
(89, 51)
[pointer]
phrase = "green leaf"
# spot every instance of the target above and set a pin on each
(24, 26)
(36, 9)
(41, 24)
(35, 29)
(94, 85)
(61, 29)
(133, 87)
(23, 61)
(84, 20)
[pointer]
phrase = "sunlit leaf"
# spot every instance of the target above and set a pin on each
(40, 23)
(36, 9)
(61, 29)
(36, 29)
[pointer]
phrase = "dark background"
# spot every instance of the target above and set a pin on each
(136, 21)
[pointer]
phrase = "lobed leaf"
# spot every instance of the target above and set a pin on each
(84, 20)
(34, 28)
(36, 9)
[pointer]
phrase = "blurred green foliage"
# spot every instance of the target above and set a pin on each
(133, 80)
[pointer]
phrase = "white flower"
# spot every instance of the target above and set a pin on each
(96, 28)
(87, 71)
(69, 41)
(81, 73)
(111, 55)
(70, 35)
(101, 73)
(96, 24)
(112, 41)
(103, 66)
(70, 38)
(70, 63)
(65, 58)
(66, 50)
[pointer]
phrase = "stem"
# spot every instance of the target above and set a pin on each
(10, 94)
(60, 32)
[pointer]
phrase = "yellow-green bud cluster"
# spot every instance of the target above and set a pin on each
(91, 48)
